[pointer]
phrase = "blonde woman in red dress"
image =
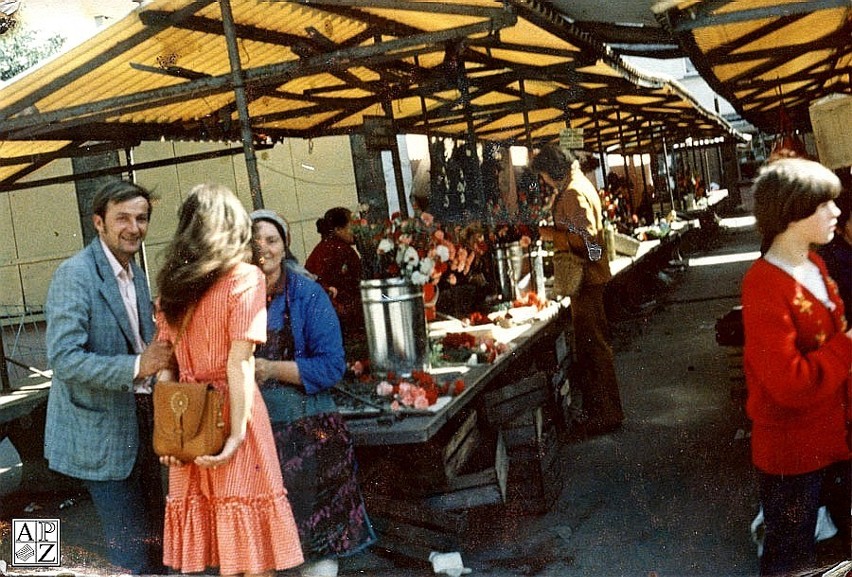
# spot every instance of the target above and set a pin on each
(228, 511)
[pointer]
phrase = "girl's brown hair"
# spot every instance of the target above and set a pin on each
(787, 190)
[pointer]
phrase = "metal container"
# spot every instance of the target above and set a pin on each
(395, 319)
(512, 265)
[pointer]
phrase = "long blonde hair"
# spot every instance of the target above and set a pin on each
(213, 235)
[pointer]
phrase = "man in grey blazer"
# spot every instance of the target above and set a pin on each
(99, 420)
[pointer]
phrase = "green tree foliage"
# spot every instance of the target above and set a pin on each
(24, 49)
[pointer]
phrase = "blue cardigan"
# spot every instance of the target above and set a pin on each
(318, 351)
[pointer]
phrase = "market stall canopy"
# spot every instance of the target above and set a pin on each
(627, 26)
(512, 71)
(765, 55)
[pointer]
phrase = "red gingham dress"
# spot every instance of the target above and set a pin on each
(235, 517)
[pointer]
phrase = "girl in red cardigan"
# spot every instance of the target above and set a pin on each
(797, 359)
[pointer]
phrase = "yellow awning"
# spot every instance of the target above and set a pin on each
(765, 55)
(513, 72)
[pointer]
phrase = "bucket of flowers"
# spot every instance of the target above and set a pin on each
(416, 248)
(402, 259)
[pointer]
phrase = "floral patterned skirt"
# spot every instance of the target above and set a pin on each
(317, 457)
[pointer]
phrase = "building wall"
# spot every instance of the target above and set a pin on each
(40, 227)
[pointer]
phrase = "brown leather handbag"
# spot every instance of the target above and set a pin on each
(188, 420)
(188, 417)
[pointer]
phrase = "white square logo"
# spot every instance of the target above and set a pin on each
(35, 543)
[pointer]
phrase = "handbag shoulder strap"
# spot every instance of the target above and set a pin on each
(184, 323)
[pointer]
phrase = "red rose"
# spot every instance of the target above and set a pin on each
(458, 387)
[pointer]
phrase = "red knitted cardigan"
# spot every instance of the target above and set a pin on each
(797, 361)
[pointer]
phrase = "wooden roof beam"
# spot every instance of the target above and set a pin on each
(706, 13)
(41, 123)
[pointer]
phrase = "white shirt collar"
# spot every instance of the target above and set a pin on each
(114, 264)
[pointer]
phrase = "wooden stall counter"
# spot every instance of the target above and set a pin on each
(493, 444)
(374, 424)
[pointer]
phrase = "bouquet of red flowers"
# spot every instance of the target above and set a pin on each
(415, 248)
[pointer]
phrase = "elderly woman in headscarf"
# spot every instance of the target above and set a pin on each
(298, 366)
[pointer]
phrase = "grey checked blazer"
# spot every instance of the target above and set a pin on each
(91, 431)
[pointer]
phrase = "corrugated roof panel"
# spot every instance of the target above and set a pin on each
(525, 33)
(762, 54)
(406, 107)
(431, 18)
(32, 81)
(187, 110)
(292, 18)
(15, 155)
(537, 87)
(492, 98)
(527, 58)
(24, 155)
(313, 69)
(300, 122)
(601, 68)
(427, 60)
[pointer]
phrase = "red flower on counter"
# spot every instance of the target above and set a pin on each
(476, 318)
(471, 349)
(420, 391)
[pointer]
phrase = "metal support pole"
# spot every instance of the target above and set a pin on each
(526, 113)
(693, 162)
(396, 161)
(242, 103)
(622, 147)
(668, 172)
(464, 91)
(641, 162)
(723, 176)
(5, 385)
(654, 161)
(423, 111)
(601, 151)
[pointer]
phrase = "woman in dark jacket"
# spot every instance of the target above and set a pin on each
(337, 267)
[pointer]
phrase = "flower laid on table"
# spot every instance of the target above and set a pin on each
(456, 348)
(414, 248)
(420, 391)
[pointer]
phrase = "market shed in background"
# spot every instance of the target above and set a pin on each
(259, 72)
